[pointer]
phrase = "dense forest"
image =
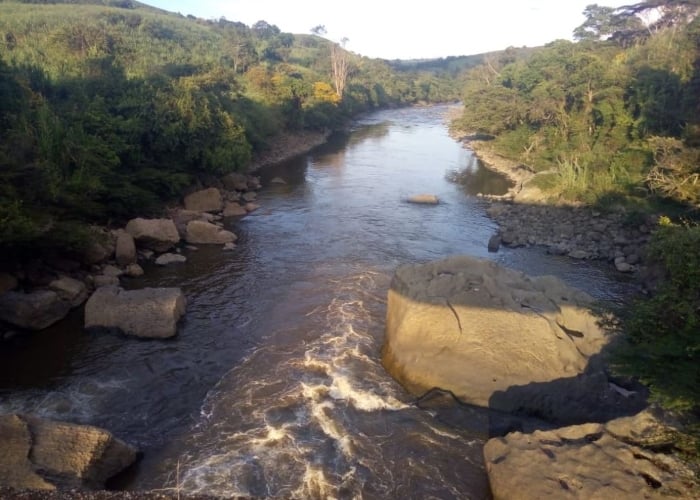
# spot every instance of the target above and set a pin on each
(613, 120)
(110, 107)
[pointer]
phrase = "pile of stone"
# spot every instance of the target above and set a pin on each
(42, 293)
(578, 232)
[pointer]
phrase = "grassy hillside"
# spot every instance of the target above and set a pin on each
(110, 107)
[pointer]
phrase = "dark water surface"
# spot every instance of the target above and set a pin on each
(274, 386)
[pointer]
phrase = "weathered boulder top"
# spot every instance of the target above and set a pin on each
(481, 331)
(156, 234)
(40, 454)
(589, 461)
(148, 313)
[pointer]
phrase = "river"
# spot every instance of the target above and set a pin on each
(273, 386)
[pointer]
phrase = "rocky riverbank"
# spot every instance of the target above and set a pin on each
(36, 294)
(527, 217)
(528, 347)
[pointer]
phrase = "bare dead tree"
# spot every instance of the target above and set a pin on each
(339, 65)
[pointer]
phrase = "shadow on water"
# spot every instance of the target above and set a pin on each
(274, 386)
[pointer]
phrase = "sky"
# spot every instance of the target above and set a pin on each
(407, 29)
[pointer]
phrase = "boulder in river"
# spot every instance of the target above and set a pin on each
(613, 460)
(35, 310)
(41, 454)
(206, 233)
(499, 339)
(233, 209)
(159, 235)
(148, 313)
(170, 258)
(205, 200)
(424, 199)
(70, 289)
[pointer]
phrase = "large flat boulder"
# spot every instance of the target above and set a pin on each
(159, 235)
(35, 310)
(46, 455)
(499, 339)
(601, 461)
(205, 200)
(147, 313)
(206, 233)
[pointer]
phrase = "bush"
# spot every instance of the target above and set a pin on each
(663, 332)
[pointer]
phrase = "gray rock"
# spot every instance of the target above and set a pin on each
(101, 281)
(206, 233)
(579, 254)
(133, 271)
(229, 246)
(125, 251)
(170, 258)
(249, 196)
(206, 200)
(71, 290)
(251, 207)
(148, 313)
(40, 454)
(278, 180)
(235, 182)
(34, 311)
(424, 199)
(159, 235)
(233, 209)
(110, 270)
(587, 461)
(494, 243)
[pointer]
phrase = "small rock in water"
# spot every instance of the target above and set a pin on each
(170, 258)
(494, 243)
(230, 246)
(278, 180)
(424, 199)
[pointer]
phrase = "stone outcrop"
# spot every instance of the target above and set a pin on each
(35, 310)
(424, 199)
(46, 455)
(497, 338)
(205, 200)
(612, 460)
(159, 235)
(70, 289)
(580, 233)
(206, 233)
(125, 250)
(148, 313)
(235, 182)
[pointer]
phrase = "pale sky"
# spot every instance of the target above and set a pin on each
(408, 29)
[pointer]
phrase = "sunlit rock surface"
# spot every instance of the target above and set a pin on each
(497, 338)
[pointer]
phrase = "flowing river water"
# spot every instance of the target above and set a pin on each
(273, 386)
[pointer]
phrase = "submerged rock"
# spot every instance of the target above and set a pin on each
(170, 258)
(148, 313)
(42, 454)
(424, 199)
(497, 338)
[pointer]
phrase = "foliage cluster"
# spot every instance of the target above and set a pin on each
(664, 331)
(616, 112)
(110, 107)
